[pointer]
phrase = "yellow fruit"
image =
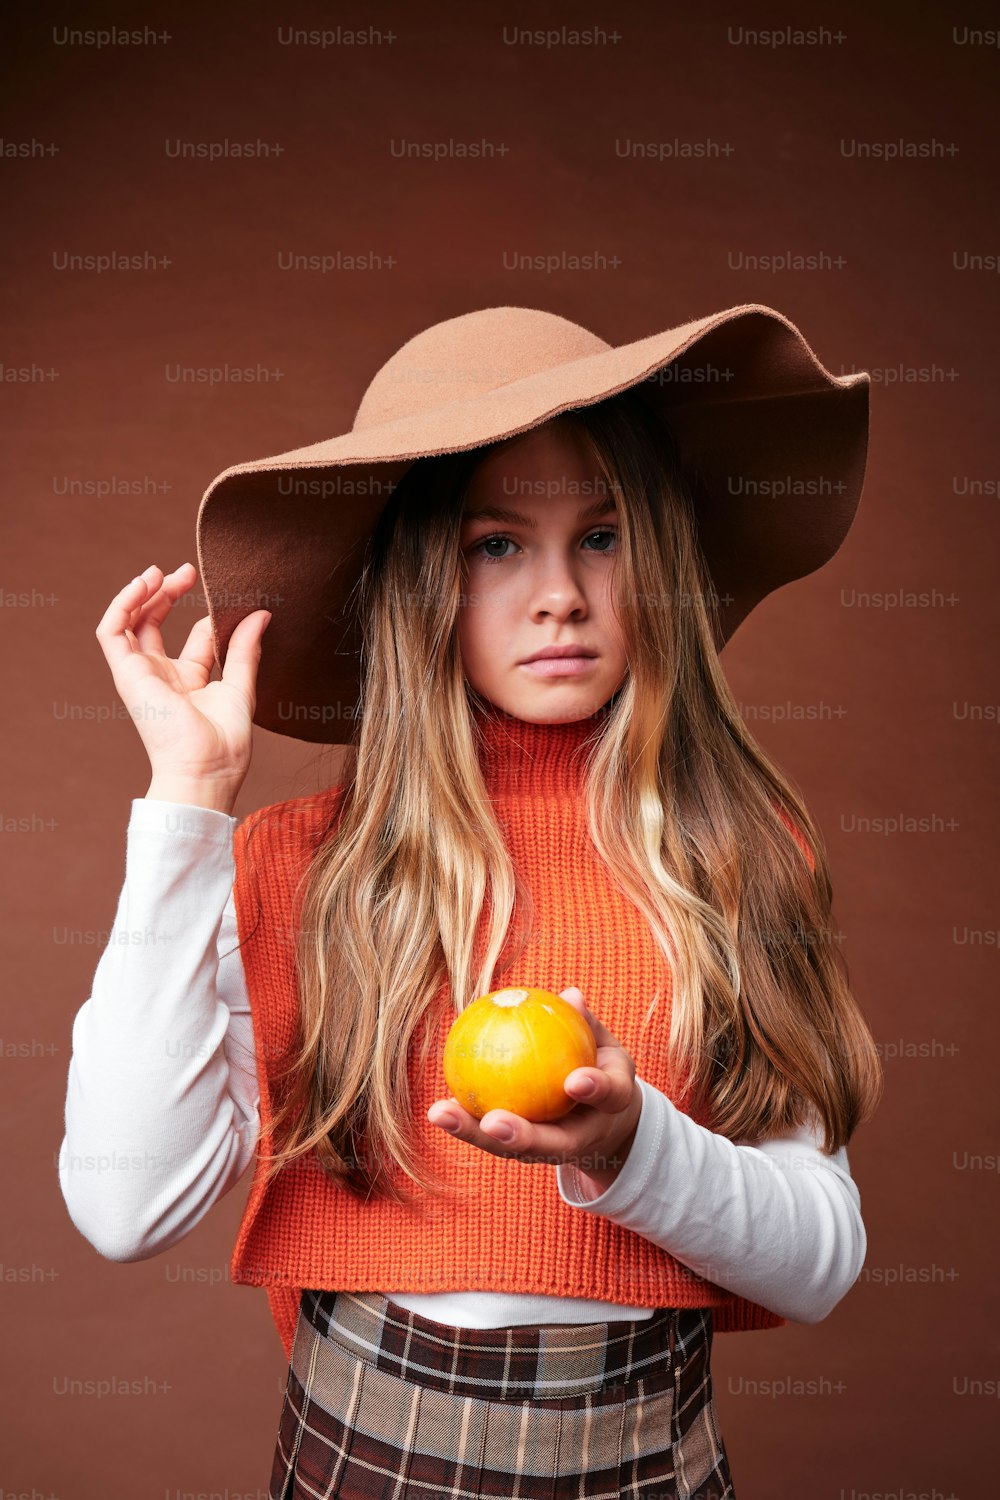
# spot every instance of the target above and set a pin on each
(513, 1049)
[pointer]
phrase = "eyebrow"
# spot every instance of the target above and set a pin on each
(602, 507)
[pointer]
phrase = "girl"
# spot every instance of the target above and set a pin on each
(551, 785)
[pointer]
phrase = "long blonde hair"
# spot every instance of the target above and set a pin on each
(682, 803)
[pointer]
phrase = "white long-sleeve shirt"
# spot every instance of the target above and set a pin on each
(162, 1116)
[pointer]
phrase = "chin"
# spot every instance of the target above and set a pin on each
(562, 704)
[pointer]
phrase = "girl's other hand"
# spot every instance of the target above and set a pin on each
(197, 733)
(596, 1135)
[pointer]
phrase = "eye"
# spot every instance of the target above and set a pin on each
(611, 531)
(489, 557)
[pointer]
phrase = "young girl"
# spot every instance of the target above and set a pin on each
(551, 785)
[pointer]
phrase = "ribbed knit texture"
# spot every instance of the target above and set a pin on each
(510, 1230)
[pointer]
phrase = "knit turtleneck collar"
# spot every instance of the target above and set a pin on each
(523, 759)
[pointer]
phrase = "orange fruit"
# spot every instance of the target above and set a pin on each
(513, 1049)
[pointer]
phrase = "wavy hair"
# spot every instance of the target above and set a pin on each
(412, 883)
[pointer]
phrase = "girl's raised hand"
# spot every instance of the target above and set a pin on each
(195, 732)
(596, 1134)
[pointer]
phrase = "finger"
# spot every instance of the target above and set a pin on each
(561, 1140)
(199, 648)
(607, 1088)
(156, 608)
(112, 630)
(243, 654)
(602, 1036)
(573, 1136)
(467, 1128)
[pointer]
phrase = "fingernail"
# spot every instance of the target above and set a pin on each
(448, 1122)
(585, 1087)
(502, 1131)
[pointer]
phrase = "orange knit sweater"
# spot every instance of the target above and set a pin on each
(510, 1230)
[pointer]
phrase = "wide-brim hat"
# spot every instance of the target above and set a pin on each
(772, 445)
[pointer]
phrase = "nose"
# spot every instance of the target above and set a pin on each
(557, 591)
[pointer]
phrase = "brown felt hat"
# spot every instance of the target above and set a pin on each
(772, 445)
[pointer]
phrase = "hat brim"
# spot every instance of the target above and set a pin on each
(772, 443)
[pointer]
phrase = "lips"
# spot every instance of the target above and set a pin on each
(570, 662)
(548, 653)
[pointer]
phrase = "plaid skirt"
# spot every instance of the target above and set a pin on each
(381, 1402)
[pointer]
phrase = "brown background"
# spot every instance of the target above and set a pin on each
(876, 712)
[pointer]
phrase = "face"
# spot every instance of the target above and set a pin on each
(538, 575)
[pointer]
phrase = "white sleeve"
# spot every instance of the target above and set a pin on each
(161, 1114)
(779, 1223)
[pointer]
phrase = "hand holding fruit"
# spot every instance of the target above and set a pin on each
(595, 1133)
